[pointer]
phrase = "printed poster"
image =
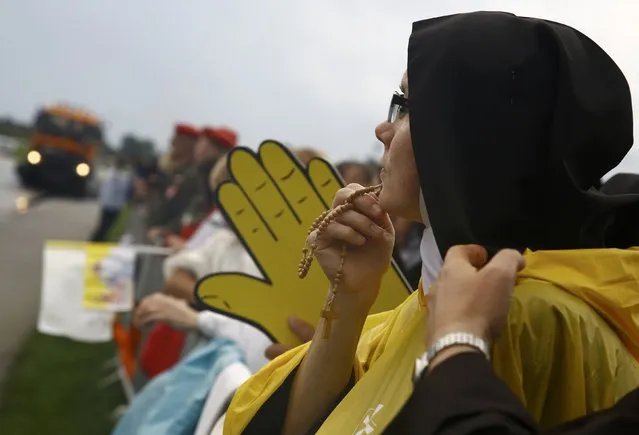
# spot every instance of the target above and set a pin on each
(62, 312)
(109, 277)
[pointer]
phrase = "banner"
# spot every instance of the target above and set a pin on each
(62, 311)
(84, 284)
(108, 277)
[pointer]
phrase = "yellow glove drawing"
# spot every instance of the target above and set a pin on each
(271, 201)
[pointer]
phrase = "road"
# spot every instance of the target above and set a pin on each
(10, 191)
(22, 234)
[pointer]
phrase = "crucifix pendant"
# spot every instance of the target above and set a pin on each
(328, 314)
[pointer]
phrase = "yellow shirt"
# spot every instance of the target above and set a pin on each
(570, 347)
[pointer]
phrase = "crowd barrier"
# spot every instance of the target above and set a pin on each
(149, 278)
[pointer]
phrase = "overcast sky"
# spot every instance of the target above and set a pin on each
(308, 73)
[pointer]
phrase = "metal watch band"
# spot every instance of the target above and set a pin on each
(448, 340)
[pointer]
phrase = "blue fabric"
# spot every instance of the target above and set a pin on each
(171, 403)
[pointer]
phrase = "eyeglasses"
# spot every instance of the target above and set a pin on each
(398, 104)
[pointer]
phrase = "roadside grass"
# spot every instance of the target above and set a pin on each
(52, 387)
(20, 153)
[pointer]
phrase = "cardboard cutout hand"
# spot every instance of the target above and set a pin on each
(271, 201)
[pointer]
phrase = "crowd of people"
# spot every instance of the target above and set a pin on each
(525, 316)
(176, 195)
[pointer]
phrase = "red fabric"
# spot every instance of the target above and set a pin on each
(188, 230)
(186, 130)
(208, 132)
(225, 137)
(162, 349)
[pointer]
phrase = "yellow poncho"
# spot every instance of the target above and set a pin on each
(570, 347)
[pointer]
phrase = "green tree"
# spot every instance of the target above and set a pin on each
(133, 147)
(17, 129)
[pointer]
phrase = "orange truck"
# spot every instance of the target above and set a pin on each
(62, 151)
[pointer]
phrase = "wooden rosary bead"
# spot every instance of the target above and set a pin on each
(308, 252)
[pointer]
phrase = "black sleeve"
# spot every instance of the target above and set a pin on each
(622, 418)
(269, 419)
(463, 396)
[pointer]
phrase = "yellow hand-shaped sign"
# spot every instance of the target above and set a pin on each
(271, 201)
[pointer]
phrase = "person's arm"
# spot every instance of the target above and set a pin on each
(303, 330)
(622, 418)
(181, 284)
(462, 395)
(208, 323)
(159, 307)
(304, 400)
(318, 375)
(182, 270)
(314, 396)
(175, 243)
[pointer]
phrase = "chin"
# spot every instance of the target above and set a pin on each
(396, 204)
(389, 202)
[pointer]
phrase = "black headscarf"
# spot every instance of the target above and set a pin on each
(513, 120)
(620, 184)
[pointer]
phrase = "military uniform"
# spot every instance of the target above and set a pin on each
(203, 203)
(200, 206)
(184, 186)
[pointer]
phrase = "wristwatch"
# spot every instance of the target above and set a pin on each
(448, 340)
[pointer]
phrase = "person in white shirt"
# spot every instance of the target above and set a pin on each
(256, 347)
(114, 194)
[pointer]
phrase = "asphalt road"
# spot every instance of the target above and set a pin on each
(10, 190)
(25, 223)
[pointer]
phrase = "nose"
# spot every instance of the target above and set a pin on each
(384, 133)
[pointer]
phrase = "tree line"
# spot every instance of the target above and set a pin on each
(130, 146)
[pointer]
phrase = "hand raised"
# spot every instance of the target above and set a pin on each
(271, 201)
(358, 224)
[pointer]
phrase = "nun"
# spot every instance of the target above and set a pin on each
(502, 129)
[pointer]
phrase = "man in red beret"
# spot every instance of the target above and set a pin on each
(223, 137)
(211, 145)
(184, 185)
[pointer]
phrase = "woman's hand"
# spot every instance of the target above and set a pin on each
(154, 234)
(367, 232)
(472, 295)
(302, 329)
(175, 243)
(369, 235)
(159, 307)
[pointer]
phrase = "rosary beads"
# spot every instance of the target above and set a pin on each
(320, 224)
